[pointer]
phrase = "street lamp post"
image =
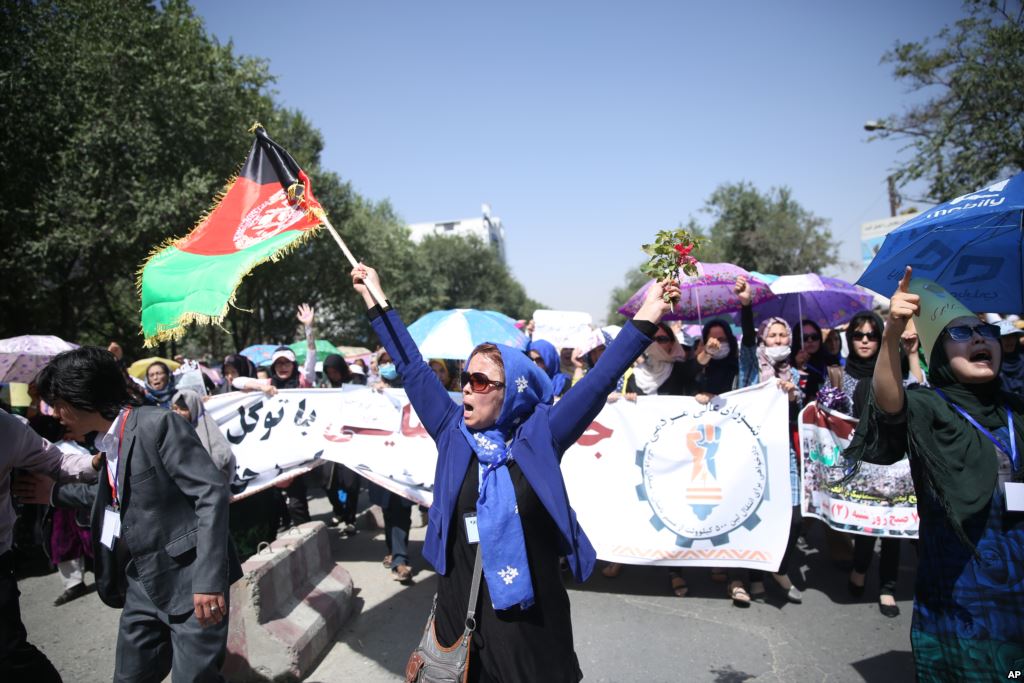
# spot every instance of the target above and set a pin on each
(894, 198)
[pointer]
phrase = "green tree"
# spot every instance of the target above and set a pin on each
(121, 119)
(970, 131)
(765, 231)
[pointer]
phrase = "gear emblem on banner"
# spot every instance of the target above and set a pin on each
(689, 464)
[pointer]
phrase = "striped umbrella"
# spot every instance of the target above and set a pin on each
(454, 334)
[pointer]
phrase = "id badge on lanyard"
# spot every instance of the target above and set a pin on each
(110, 529)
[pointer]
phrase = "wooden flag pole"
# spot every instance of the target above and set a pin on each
(374, 291)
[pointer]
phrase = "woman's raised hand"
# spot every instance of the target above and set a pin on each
(742, 290)
(903, 305)
(655, 305)
(305, 314)
(362, 274)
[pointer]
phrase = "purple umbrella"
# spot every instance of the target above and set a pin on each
(827, 301)
(21, 358)
(704, 295)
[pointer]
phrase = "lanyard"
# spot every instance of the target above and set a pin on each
(112, 479)
(1011, 451)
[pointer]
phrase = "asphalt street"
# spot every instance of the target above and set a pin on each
(626, 629)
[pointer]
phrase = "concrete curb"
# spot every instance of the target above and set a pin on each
(287, 608)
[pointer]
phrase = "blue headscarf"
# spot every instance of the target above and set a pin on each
(502, 542)
(552, 364)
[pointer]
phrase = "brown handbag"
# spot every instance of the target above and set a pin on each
(432, 662)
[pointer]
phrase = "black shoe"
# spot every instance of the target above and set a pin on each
(855, 590)
(889, 610)
(70, 594)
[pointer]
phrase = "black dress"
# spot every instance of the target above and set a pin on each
(513, 645)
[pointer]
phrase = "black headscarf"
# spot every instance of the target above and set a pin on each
(719, 375)
(242, 365)
(857, 367)
(817, 363)
(338, 363)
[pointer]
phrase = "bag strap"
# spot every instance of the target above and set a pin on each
(474, 591)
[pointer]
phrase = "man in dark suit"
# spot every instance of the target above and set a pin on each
(159, 523)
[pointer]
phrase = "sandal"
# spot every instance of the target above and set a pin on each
(387, 561)
(739, 595)
(679, 586)
(612, 569)
(402, 573)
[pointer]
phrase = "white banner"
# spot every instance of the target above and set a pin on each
(664, 481)
(564, 329)
(374, 433)
(876, 500)
(667, 481)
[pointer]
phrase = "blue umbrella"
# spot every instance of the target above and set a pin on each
(454, 334)
(259, 353)
(970, 245)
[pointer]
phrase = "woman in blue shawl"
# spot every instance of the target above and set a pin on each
(545, 355)
(498, 483)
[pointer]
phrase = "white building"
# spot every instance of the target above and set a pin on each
(486, 227)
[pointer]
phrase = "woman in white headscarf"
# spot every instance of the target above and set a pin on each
(189, 405)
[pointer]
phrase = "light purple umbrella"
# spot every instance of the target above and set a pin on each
(704, 295)
(21, 358)
(827, 301)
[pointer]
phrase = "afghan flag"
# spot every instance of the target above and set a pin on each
(266, 210)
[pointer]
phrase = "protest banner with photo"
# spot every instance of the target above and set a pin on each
(873, 500)
(663, 481)
(564, 329)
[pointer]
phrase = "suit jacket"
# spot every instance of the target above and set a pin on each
(174, 516)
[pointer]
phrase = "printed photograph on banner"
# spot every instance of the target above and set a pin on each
(873, 500)
(669, 481)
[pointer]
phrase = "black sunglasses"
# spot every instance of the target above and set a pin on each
(480, 383)
(962, 333)
(662, 338)
(812, 337)
(861, 336)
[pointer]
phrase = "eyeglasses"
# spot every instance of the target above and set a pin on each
(812, 337)
(962, 333)
(861, 336)
(480, 383)
(661, 339)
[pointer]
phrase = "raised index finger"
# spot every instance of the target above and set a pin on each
(904, 285)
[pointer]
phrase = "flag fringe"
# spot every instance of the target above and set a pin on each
(178, 329)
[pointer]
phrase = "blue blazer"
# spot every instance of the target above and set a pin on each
(537, 445)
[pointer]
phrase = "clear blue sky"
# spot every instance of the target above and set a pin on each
(588, 126)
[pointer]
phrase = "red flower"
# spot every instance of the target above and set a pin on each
(683, 251)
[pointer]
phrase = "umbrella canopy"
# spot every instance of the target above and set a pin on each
(970, 245)
(21, 358)
(324, 348)
(704, 295)
(259, 353)
(454, 334)
(827, 301)
(139, 367)
(354, 351)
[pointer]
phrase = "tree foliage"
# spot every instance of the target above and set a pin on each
(765, 231)
(970, 132)
(123, 120)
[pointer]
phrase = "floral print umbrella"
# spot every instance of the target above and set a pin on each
(21, 358)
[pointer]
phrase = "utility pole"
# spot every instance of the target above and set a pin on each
(894, 196)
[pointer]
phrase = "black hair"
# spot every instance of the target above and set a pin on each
(87, 378)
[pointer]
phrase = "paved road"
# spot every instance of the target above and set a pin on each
(626, 629)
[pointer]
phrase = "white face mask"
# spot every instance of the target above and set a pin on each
(721, 352)
(777, 354)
